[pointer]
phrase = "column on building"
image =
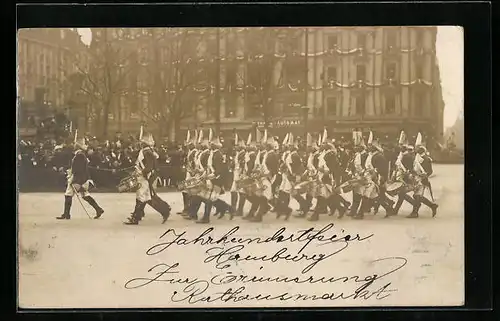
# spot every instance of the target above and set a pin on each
(222, 55)
(377, 72)
(345, 72)
(241, 74)
(277, 72)
(310, 52)
(319, 71)
(428, 66)
(371, 106)
(406, 72)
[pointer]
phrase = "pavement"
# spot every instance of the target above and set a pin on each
(86, 263)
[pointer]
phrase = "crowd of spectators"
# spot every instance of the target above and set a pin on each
(42, 163)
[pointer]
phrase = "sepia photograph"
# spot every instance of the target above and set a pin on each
(240, 167)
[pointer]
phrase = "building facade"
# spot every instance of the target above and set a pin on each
(45, 65)
(378, 78)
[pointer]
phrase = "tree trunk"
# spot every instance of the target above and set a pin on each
(105, 120)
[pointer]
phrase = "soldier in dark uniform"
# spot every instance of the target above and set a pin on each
(422, 169)
(358, 167)
(79, 181)
(190, 167)
(219, 168)
(146, 171)
(269, 168)
(404, 165)
(248, 169)
(202, 166)
(381, 165)
(294, 169)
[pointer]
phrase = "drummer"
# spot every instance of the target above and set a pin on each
(357, 168)
(147, 175)
(404, 165)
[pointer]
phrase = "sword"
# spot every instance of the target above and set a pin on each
(79, 200)
(430, 190)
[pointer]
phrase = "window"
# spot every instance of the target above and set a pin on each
(294, 71)
(419, 70)
(230, 46)
(418, 107)
(390, 104)
(254, 110)
(230, 107)
(420, 37)
(360, 72)
(231, 75)
(391, 39)
(360, 105)
(332, 42)
(331, 105)
(294, 44)
(332, 73)
(361, 40)
(390, 71)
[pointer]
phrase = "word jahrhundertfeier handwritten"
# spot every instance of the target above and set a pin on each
(306, 248)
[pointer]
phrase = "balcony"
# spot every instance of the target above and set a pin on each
(391, 52)
(361, 56)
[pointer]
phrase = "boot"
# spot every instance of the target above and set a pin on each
(431, 205)
(234, 199)
(95, 206)
(362, 208)
(137, 214)
(68, 200)
(284, 200)
(241, 204)
(185, 201)
(416, 207)
(253, 209)
(263, 209)
(356, 200)
(345, 202)
(401, 198)
(302, 203)
(308, 203)
(206, 215)
(315, 216)
(222, 208)
(194, 207)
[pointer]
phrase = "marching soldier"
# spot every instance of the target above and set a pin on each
(329, 169)
(250, 161)
(190, 167)
(292, 171)
(215, 182)
(238, 164)
(376, 171)
(357, 170)
(79, 181)
(422, 169)
(268, 169)
(404, 166)
(312, 173)
(146, 171)
(201, 161)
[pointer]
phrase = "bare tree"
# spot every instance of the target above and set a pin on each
(178, 68)
(261, 50)
(103, 73)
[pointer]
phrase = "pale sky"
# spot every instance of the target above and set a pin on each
(450, 55)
